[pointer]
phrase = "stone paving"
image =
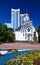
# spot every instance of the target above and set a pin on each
(20, 46)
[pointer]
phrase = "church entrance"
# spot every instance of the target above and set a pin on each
(29, 37)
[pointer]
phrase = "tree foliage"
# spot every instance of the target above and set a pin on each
(6, 34)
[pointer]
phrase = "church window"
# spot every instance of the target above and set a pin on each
(28, 30)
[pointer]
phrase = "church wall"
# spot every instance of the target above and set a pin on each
(37, 35)
(27, 31)
(19, 36)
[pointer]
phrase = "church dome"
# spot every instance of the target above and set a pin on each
(26, 17)
(26, 14)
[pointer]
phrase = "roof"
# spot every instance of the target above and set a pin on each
(25, 26)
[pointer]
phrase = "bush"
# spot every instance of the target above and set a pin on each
(37, 62)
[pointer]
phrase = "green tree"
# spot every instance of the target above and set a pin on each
(6, 34)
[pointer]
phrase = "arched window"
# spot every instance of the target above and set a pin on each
(28, 29)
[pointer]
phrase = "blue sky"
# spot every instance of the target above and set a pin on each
(30, 6)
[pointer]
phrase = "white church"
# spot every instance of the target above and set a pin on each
(23, 27)
(26, 31)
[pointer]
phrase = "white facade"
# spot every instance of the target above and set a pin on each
(26, 31)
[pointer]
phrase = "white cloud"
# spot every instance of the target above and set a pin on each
(8, 25)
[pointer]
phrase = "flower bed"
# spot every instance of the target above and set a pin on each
(27, 58)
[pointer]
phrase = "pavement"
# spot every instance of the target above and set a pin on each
(20, 46)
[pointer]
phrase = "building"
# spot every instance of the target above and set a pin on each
(23, 27)
(15, 18)
(26, 32)
(21, 18)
